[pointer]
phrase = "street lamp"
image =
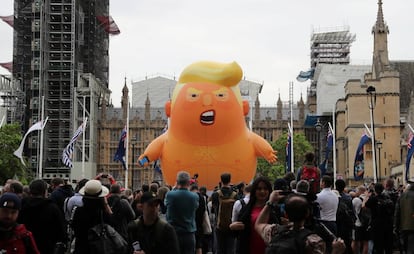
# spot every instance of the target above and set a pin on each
(379, 146)
(318, 128)
(372, 98)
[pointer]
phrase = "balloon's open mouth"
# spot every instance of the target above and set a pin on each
(207, 117)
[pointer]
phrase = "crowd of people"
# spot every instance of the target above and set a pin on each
(291, 215)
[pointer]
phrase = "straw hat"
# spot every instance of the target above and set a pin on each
(94, 188)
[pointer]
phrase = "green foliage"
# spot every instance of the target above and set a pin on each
(300, 147)
(10, 165)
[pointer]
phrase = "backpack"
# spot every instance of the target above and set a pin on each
(225, 209)
(21, 241)
(311, 175)
(385, 208)
(364, 217)
(345, 216)
(288, 242)
(102, 238)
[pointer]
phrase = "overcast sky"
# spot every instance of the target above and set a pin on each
(270, 39)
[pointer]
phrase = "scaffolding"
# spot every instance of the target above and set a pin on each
(55, 42)
(331, 47)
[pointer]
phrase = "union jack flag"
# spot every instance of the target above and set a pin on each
(68, 151)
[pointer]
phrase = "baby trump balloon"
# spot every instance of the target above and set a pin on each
(207, 133)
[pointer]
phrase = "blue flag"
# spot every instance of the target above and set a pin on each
(120, 152)
(305, 75)
(288, 153)
(410, 152)
(329, 145)
(359, 168)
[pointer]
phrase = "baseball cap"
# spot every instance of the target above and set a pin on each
(149, 197)
(10, 200)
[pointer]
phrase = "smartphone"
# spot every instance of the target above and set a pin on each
(143, 161)
(136, 246)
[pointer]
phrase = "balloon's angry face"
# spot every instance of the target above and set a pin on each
(207, 108)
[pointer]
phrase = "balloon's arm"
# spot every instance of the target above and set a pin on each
(153, 150)
(262, 148)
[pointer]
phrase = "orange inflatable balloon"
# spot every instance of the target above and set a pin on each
(207, 134)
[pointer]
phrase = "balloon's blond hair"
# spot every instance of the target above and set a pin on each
(225, 74)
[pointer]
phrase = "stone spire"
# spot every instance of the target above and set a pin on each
(279, 114)
(301, 106)
(147, 108)
(125, 100)
(257, 109)
(380, 61)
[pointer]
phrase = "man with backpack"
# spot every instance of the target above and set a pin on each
(382, 212)
(223, 201)
(294, 237)
(360, 234)
(310, 173)
(122, 212)
(345, 216)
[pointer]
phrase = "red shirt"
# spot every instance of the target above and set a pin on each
(257, 244)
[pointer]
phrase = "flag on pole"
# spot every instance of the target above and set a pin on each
(359, 168)
(410, 152)
(329, 145)
(288, 152)
(305, 75)
(68, 151)
(35, 127)
(120, 152)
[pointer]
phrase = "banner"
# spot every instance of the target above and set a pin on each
(68, 151)
(288, 153)
(35, 127)
(359, 168)
(410, 152)
(120, 152)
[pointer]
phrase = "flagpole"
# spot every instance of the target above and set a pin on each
(333, 148)
(2, 121)
(292, 155)
(127, 147)
(83, 138)
(40, 164)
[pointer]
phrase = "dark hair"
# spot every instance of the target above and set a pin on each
(296, 208)
(193, 187)
(379, 188)
(16, 187)
(280, 184)
(327, 181)
(225, 178)
(56, 181)
(254, 187)
(115, 188)
(145, 187)
(340, 185)
(309, 157)
(38, 187)
(81, 183)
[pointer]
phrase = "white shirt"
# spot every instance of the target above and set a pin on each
(357, 204)
(237, 208)
(328, 201)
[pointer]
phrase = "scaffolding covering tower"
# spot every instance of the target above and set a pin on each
(55, 43)
(331, 46)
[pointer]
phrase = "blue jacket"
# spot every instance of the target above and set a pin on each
(181, 206)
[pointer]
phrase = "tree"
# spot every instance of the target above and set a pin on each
(300, 147)
(10, 165)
